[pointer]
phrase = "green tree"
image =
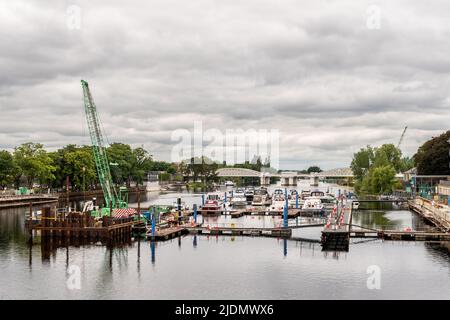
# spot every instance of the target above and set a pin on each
(80, 167)
(433, 156)
(141, 164)
(121, 160)
(203, 168)
(6, 168)
(381, 180)
(34, 163)
(69, 162)
(388, 154)
(407, 163)
(375, 168)
(313, 169)
(362, 161)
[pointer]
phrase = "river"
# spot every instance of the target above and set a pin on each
(225, 267)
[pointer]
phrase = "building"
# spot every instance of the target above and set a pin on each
(443, 191)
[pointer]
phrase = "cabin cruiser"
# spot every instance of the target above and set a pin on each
(303, 195)
(261, 197)
(313, 206)
(278, 191)
(354, 201)
(229, 183)
(317, 193)
(249, 193)
(213, 202)
(328, 202)
(278, 203)
(293, 196)
(239, 198)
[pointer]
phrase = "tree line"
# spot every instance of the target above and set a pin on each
(375, 168)
(30, 163)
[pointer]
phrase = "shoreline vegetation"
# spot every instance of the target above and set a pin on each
(30, 165)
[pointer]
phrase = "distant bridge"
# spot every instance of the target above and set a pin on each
(288, 177)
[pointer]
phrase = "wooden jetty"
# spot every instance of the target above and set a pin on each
(210, 211)
(336, 233)
(401, 235)
(436, 214)
(234, 231)
(168, 233)
(169, 230)
(292, 213)
(383, 200)
(25, 200)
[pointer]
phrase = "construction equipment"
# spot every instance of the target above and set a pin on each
(112, 199)
(401, 137)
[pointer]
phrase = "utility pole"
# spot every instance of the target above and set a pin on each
(84, 185)
(67, 193)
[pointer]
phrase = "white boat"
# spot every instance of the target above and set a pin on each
(229, 183)
(278, 192)
(239, 198)
(293, 196)
(355, 203)
(278, 203)
(249, 193)
(317, 193)
(261, 197)
(213, 202)
(303, 195)
(313, 206)
(328, 201)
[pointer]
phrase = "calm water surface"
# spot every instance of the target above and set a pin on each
(224, 267)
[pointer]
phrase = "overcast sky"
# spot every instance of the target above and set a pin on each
(331, 76)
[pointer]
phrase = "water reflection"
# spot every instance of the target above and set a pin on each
(152, 248)
(253, 267)
(392, 220)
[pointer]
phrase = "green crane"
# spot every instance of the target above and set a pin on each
(401, 137)
(101, 158)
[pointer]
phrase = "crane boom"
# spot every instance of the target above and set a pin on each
(401, 137)
(98, 148)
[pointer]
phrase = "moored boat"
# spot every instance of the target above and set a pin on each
(261, 197)
(278, 203)
(239, 198)
(249, 193)
(213, 202)
(313, 206)
(293, 198)
(229, 183)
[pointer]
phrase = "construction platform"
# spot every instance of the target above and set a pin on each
(77, 225)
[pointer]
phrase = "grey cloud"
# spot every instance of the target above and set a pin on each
(309, 69)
